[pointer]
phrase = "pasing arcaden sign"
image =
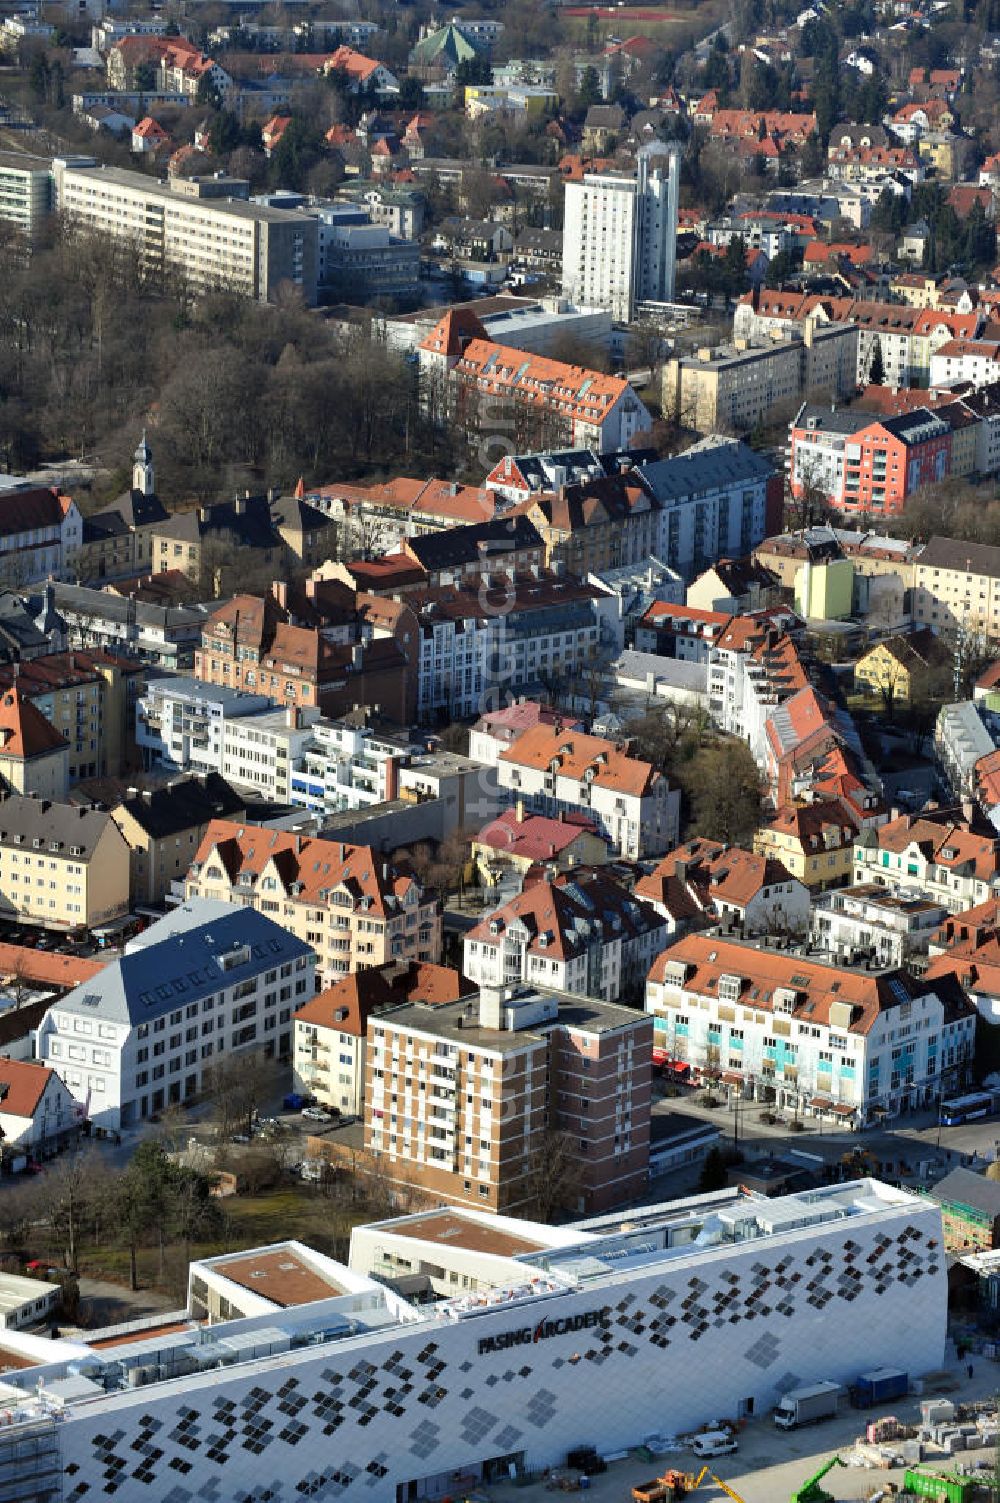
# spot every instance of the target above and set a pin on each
(528, 1335)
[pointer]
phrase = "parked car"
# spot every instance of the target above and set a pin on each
(316, 1114)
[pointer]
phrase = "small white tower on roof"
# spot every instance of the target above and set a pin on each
(143, 478)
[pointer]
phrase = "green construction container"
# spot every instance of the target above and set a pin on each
(937, 1485)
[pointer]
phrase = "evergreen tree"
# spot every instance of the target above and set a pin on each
(713, 1174)
(38, 76)
(876, 366)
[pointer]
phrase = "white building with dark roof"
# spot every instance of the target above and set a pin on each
(208, 981)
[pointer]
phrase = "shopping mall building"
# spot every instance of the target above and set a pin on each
(455, 1345)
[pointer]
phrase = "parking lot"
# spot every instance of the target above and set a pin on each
(770, 1463)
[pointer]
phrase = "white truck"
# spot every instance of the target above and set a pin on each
(807, 1406)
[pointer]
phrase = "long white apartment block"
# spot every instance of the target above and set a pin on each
(292, 1376)
(202, 228)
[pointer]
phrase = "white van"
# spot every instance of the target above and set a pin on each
(713, 1443)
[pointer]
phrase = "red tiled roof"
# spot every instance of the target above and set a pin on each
(317, 867)
(713, 873)
(44, 968)
(818, 988)
(452, 333)
(533, 837)
(568, 921)
(354, 64)
(22, 1085)
(578, 392)
(574, 754)
(24, 730)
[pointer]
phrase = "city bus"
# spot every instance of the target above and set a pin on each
(967, 1108)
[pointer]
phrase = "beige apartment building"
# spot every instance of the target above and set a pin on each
(346, 901)
(491, 1102)
(730, 389)
(165, 826)
(331, 1029)
(62, 866)
(204, 228)
(957, 585)
(34, 757)
(90, 698)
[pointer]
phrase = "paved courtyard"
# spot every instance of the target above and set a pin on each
(771, 1464)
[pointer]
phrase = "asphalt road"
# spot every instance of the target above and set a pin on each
(900, 1149)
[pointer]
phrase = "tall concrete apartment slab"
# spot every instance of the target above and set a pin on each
(620, 234)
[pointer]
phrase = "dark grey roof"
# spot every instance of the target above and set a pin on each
(605, 117)
(530, 238)
(131, 510)
(579, 464)
(964, 1187)
(293, 511)
(478, 542)
(184, 805)
(705, 467)
(106, 605)
(952, 553)
(915, 427)
(834, 419)
(190, 954)
(139, 510)
(247, 519)
(18, 628)
(104, 524)
(67, 828)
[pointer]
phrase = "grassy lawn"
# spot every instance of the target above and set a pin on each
(288, 1211)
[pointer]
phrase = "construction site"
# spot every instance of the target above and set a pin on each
(941, 1444)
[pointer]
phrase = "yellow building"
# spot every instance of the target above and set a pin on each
(964, 427)
(942, 152)
(825, 591)
(308, 533)
(530, 101)
(90, 698)
(165, 826)
(815, 842)
(895, 669)
(732, 389)
(957, 584)
(62, 866)
(915, 288)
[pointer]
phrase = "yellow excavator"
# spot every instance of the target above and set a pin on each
(673, 1484)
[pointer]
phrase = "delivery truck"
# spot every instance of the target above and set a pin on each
(807, 1406)
(880, 1386)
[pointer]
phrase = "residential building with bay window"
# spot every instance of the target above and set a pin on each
(345, 901)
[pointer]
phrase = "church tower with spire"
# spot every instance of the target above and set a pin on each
(143, 477)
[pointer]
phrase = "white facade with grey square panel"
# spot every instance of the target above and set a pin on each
(593, 1334)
